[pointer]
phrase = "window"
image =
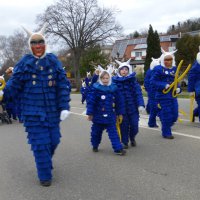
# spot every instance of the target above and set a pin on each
(138, 54)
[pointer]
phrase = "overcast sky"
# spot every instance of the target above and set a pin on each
(134, 15)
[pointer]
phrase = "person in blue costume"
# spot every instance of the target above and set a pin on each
(88, 79)
(11, 109)
(195, 113)
(11, 104)
(103, 106)
(194, 83)
(99, 68)
(45, 94)
(161, 79)
(83, 92)
(153, 108)
(95, 76)
(133, 99)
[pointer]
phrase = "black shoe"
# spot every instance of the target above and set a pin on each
(133, 143)
(121, 152)
(154, 126)
(95, 149)
(125, 146)
(45, 183)
(169, 137)
(193, 118)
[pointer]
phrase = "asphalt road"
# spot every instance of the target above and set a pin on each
(157, 169)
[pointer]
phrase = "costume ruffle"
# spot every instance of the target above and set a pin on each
(131, 92)
(104, 103)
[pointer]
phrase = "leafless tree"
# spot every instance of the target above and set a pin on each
(12, 48)
(80, 23)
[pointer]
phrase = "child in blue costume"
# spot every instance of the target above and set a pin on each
(45, 95)
(153, 108)
(88, 79)
(133, 99)
(103, 106)
(194, 84)
(161, 79)
(83, 92)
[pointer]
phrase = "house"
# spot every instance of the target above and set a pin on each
(136, 48)
(106, 50)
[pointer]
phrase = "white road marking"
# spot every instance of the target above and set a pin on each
(175, 133)
(143, 124)
(78, 108)
(80, 114)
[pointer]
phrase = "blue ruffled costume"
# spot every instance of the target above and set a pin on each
(88, 81)
(169, 105)
(44, 91)
(153, 105)
(104, 104)
(11, 108)
(132, 97)
(84, 92)
(194, 83)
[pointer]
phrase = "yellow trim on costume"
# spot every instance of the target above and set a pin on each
(119, 121)
(191, 107)
(177, 79)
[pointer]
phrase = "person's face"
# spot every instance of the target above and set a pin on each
(124, 71)
(105, 79)
(38, 47)
(168, 61)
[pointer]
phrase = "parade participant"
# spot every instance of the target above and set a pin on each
(88, 79)
(194, 83)
(83, 92)
(11, 104)
(153, 109)
(45, 95)
(195, 113)
(161, 79)
(103, 106)
(133, 99)
(95, 76)
(9, 71)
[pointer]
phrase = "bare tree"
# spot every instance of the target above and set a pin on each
(12, 48)
(80, 23)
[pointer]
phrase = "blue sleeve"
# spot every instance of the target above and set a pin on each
(119, 103)
(94, 79)
(139, 96)
(63, 89)
(82, 90)
(155, 80)
(15, 84)
(192, 79)
(91, 100)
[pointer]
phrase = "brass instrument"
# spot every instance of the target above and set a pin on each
(177, 79)
(2, 83)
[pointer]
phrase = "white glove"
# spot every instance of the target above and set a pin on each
(167, 86)
(64, 114)
(1, 93)
(178, 90)
(141, 109)
(191, 94)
